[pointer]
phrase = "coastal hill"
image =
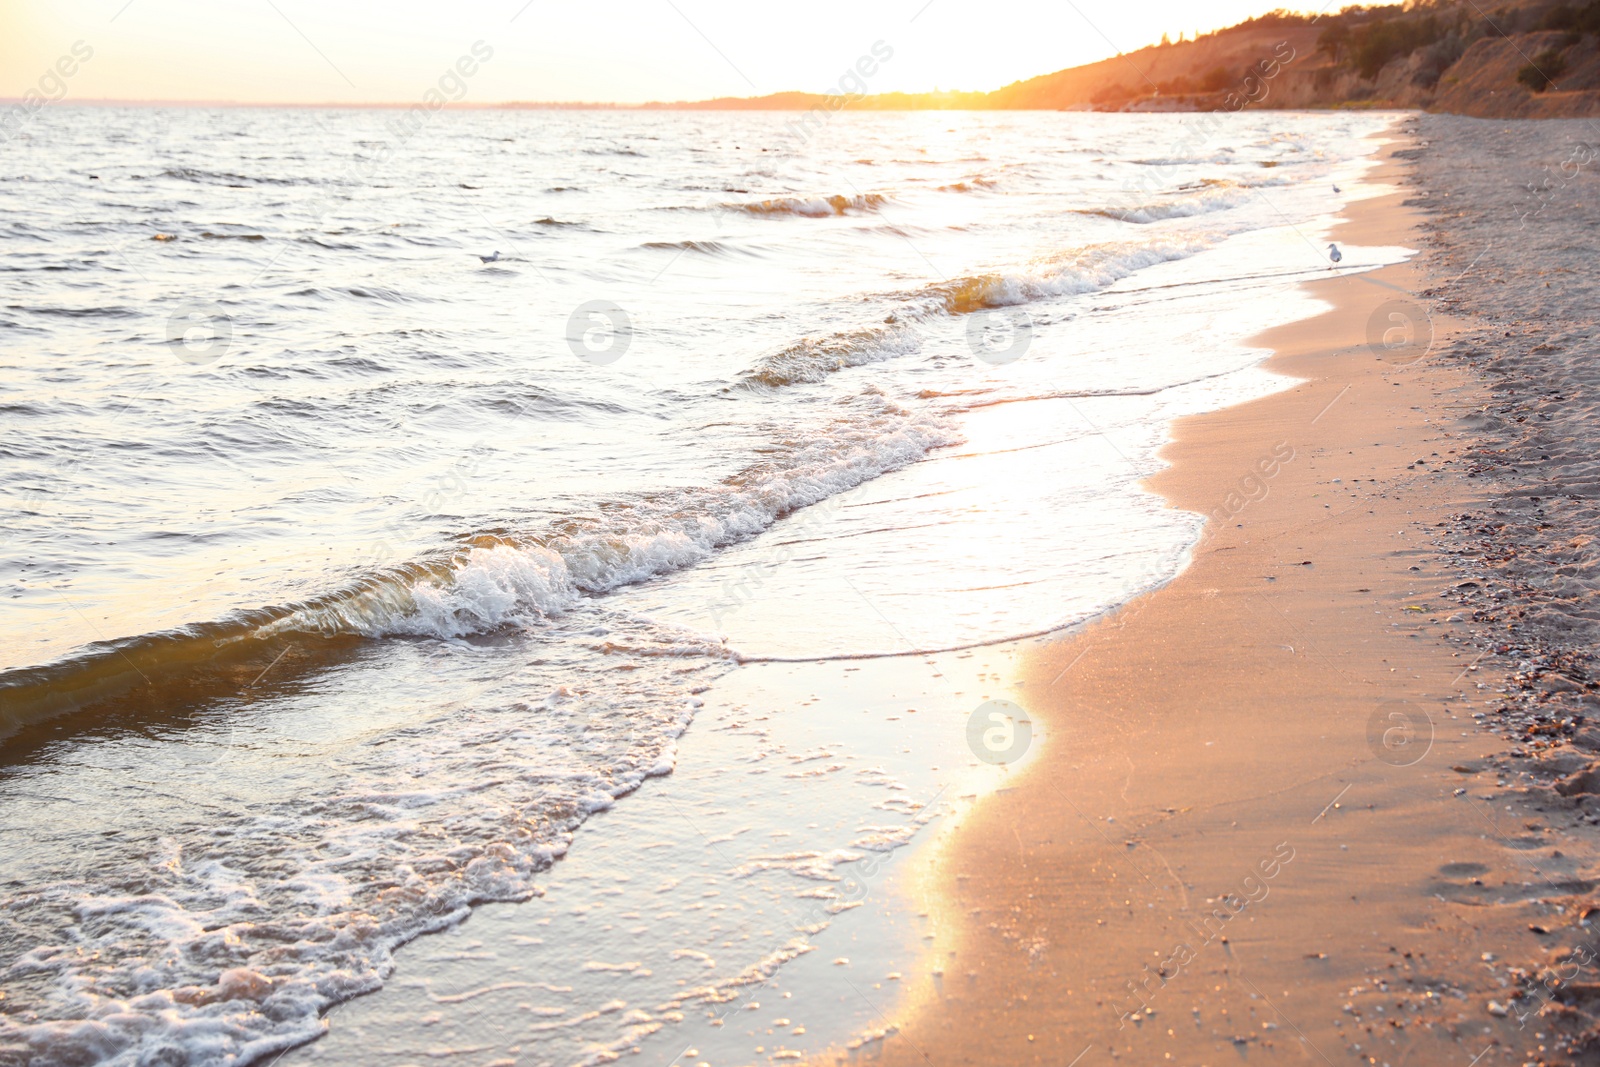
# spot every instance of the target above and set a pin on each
(1526, 59)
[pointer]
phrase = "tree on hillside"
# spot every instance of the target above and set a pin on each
(1277, 17)
(1335, 40)
(1369, 39)
(1584, 19)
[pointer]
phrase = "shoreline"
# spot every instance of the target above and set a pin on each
(1258, 818)
(1229, 840)
(412, 784)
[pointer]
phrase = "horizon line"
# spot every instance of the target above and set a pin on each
(710, 104)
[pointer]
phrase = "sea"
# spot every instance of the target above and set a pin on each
(515, 591)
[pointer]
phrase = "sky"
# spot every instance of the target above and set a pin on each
(626, 51)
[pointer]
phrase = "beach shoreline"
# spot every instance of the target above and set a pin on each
(1260, 806)
(578, 757)
(1258, 816)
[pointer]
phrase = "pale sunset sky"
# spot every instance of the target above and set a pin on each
(363, 51)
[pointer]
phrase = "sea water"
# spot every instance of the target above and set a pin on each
(379, 516)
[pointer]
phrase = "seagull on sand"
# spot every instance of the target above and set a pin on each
(1334, 254)
(491, 259)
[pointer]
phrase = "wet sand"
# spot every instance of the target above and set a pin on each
(1264, 825)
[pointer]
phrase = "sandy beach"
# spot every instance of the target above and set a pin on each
(1265, 824)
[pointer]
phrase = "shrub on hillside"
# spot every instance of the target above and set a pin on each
(1438, 58)
(1546, 67)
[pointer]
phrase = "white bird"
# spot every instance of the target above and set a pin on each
(491, 259)
(1334, 254)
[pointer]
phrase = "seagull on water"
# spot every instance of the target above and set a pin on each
(1336, 188)
(1334, 254)
(491, 259)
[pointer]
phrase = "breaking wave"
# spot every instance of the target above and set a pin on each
(1082, 270)
(491, 582)
(1204, 197)
(816, 207)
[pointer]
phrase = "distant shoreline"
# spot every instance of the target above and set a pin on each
(1175, 108)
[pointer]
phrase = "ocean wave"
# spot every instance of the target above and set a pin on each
(118, 312)
(494, 582)
(376, 292)
(1081, 270)
(1212, 194)
(332, 246)
(812, 359)
(815, 207)
(225, 943)
(970, 185)
(894, 230)
(229, 179)
(1221, 155)
(1070, 273)
(705, 248)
